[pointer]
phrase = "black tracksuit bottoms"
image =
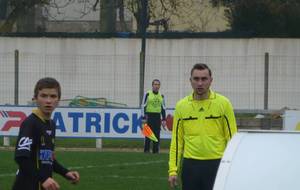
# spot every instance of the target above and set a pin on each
(154, 122)
(199, 174)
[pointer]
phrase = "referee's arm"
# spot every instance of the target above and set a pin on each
(176, 148)
(144, 104)
(230, 126)
(163, 108)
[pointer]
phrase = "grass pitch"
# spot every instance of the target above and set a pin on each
(102, 170)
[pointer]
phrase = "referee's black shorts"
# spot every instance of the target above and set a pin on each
(199, 174)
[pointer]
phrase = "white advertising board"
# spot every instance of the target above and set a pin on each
(84, 122)
(291, 120)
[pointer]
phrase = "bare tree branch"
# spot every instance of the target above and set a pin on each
(95, 5)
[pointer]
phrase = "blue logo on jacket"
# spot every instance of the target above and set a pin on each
(46, 155)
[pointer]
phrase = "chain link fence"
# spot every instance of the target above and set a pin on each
(116, 77)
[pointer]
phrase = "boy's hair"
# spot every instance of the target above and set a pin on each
(47, 82)
(200, 66)
(155, 80)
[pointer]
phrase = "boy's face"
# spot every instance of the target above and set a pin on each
(47, 100)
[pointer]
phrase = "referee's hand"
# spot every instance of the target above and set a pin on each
(173, 181)
(144, 120)
(164, 124)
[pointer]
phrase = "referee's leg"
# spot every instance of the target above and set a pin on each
(156, 131)
(147, 145)
(209, 178)
(190, 175)
(199, 174)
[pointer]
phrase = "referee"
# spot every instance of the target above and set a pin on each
(204, 122)
(153, 107)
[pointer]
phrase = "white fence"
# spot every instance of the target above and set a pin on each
(109, 68)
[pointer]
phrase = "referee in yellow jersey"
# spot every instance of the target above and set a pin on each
(204, 123)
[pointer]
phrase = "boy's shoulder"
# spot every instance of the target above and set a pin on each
(30, 119)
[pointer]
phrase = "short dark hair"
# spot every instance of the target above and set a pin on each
(47, 82)
(200, 66)
(155, 80)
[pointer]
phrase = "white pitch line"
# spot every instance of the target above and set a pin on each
(8, 175)
(100, 166)
(132, 177)
(119, 164)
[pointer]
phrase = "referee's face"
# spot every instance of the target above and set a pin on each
(155, 86)
(201, 81)
(47, 100)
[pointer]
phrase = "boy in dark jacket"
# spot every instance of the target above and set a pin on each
(34, 151)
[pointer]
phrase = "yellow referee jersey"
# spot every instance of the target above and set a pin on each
(201, 129)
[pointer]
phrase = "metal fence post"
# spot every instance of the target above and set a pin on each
(99, 143)
(6, 140)
(144, 23)
(266, 81)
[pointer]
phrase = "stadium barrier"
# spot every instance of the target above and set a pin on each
(78, 122)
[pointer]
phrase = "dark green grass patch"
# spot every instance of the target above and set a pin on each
(102, 170)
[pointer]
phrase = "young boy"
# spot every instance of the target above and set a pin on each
(35, 145)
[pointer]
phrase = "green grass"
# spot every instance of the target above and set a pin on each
(102, 170)
(106, 143)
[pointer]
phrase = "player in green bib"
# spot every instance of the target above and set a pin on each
(153, 108)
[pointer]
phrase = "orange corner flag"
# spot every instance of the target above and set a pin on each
(147, 132)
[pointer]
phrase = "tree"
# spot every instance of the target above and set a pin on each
(159, 13)
(3, 8)
(188, 15)
(121, 6)
(264, 17)
(108, 16)
(192, 15)
(22, 11)
(201, 16)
